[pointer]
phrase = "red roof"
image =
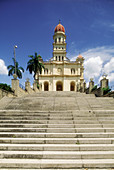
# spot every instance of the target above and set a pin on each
(59, 27)
(80, 56)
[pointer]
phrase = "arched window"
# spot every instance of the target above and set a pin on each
(55, 40)
(59, 39)
(72, 71)
(56, 58)
(59, 58)
(45, 71)
(62, 58)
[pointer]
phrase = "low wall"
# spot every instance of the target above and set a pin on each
(21, 92)
(5, 93)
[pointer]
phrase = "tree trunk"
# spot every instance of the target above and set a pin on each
(38, 77)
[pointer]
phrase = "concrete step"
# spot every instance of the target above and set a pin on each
(56, 163)
(78, 113)
(57, 140)
(63, 169)
(25, 121)
(49, 114)
(73, 136)
(34, 118)
(55, 135)
(56, 121)
(31, 117)
(58, 130)
(21, 125)
(57, 155)
(57, 147)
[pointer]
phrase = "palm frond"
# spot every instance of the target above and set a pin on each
(19, 74)
(21, 68)
(10, 67)
(11, 71)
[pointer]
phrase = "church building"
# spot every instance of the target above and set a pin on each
(61, 74)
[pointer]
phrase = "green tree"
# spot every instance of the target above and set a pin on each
(11, 69)
(35, 65)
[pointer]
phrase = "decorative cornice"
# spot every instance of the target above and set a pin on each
(59, 75)
(60, 63)
(59, 43)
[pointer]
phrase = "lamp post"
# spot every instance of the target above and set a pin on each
(15, 75)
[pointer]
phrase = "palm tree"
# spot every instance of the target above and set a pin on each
(35, 65)
(19, 70)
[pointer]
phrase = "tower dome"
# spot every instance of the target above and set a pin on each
(80, 56)
(59, 27)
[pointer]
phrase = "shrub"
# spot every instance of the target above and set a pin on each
(106, 90)
(94, 88)
(5, 87)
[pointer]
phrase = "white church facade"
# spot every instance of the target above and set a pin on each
(61, 74)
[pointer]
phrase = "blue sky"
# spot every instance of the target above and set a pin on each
(29, 24)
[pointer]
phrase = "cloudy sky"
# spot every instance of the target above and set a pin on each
(29, 24)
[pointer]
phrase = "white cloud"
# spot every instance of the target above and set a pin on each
(98, 60)
(3, 68)
(109, 66)
(93, 67)
(105, 52)
(111, 77)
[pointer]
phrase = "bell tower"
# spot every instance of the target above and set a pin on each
(59, 44)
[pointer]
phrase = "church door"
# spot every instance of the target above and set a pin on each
(59, 86)
(72, 86)
(46, 86)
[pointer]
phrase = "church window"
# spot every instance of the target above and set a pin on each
(56, 58)
(59, 58)
(45, 71)
(59, 39)
(72, 71)
(62, 58)
(55, 40)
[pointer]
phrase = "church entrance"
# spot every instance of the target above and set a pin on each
(59, 86)
(46, 86)
(72, 86)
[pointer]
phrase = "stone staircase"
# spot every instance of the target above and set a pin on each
(57, 130)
